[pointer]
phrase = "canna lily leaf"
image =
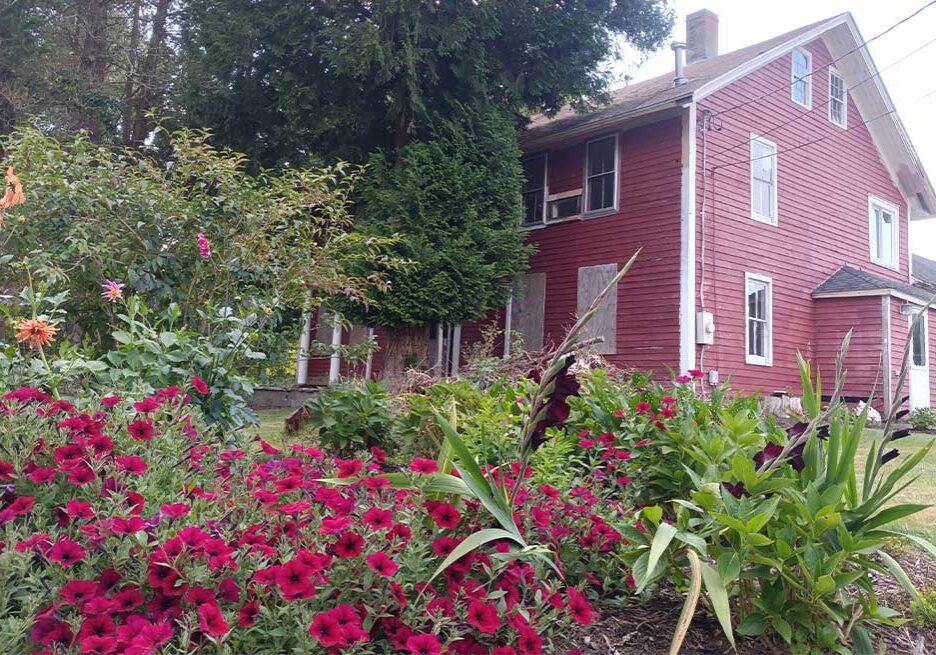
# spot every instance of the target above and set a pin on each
(661, 541)
(473, 542)
(718, 595)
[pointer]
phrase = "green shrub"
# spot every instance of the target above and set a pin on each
(787, 531)
(922, 418)
(352, 416)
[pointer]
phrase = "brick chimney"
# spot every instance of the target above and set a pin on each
(701, 35)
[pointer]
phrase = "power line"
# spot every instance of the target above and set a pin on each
(811, 73)
(806, 143)
(811, 112)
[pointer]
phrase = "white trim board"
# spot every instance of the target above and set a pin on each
(687, 255)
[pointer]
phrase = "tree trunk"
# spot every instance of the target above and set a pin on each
(149, 87)
(405, 348)
(129, 91)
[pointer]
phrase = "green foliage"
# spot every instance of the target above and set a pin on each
(793, 535)
(351, 416)
(280, 242)
(923, 610)
(922, 418)
(283, 83)
(453, 199)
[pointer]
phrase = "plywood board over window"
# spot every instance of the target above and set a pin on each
(591, 281)
(527, 309)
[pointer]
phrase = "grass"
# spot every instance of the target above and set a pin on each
(922, 491)
(271, 426)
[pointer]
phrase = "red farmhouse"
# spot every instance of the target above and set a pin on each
(770, 190)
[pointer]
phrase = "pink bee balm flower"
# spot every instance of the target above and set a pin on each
(113, 291)
(204, 246)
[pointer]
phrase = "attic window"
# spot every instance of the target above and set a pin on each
(802, 78)
(838, 99)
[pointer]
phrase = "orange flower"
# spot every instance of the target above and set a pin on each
(13, 195)
(35, 332)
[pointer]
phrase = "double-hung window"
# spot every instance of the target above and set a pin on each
(758, 340)
(601, 175)
(884, 232)
(763, 180)
(534, 190)
(838, 99)
(802, 78)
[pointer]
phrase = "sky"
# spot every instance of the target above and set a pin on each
(911, 83)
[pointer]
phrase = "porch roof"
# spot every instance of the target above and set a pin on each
(851, 282)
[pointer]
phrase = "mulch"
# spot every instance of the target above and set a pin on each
(647, 629)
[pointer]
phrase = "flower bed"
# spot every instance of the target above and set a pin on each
(127, 528)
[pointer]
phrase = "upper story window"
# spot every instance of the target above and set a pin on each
(838, 99)
(802, 79)
(601, 174)
(758, 339)
(534, 190)
(884, 227)
(763, 180)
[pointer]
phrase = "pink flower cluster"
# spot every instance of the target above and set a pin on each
(149, 532)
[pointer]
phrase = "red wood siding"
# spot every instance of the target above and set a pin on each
(648, 218)
(822, 215)
(834, 317)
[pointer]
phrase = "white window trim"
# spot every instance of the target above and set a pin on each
(844, 123)
(776, 178)
(876, 201)
(542, 220)
(807, 78)
(586, 212)
(767, 359)
(926, 358)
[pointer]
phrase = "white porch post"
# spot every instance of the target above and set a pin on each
(302, 362)
(369, 366)
(440, 348)
(456, 349)
(334, 366)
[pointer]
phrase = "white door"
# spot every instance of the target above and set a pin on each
(919, 364)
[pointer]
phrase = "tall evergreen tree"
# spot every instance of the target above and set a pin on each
(430, 94)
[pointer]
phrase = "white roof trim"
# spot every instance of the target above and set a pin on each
(765, 58)
(868, 293)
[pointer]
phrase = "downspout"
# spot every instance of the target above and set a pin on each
(508, 320)
(887, 364)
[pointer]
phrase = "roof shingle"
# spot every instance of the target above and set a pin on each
(659, 90)
(848, 279)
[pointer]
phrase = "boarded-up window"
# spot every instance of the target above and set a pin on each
(527, 308)
(591, 280)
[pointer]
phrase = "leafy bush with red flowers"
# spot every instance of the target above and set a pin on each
(127, 528)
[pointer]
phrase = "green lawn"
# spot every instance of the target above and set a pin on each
(271, 425)
(923, 491)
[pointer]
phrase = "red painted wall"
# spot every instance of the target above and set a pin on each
(648, 218)
(822, 216)
(834, 317)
